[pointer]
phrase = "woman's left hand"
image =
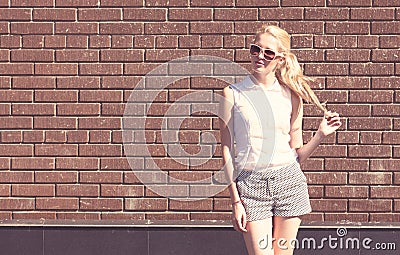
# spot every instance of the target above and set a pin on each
(330, 123)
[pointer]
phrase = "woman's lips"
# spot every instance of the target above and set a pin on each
(259, 63)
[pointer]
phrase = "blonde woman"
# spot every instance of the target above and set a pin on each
(270, 191)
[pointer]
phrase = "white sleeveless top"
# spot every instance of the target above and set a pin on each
(261, 126)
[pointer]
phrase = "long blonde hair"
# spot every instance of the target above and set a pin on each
(290, 72)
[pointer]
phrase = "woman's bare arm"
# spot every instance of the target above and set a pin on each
(226, 132)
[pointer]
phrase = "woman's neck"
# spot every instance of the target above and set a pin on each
(264, 80)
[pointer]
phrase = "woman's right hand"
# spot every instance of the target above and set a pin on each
(239, 217)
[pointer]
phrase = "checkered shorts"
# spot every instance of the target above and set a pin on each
(275, 192)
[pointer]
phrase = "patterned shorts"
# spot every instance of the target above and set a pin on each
(275, 192)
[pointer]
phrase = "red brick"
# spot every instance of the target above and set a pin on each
(389, 41)
(370, 137)
(11, 136)
(385, 55)
(372, 14)
(54, 14)
(122, 82)
(384, 217)
(17, 203)
(166, 28)
(346, 164)
(347, 28)
(100, 136)
(327, 69)
(78, 109)
(301, 3)
(77, 55)
(33, 41)
(146, 204)
(344, 3)
(346, 191)
(118, 163)
(326, 13)
(368, 41)
(280, 13)
(375, 96)
(165, 54)
(31, 28)
(78, 190)
(100, 69)
(56, 150)
(140, 14)
(187, 14)
(385, 3)
(122, 191)
(76, 28)
(196, 3)
(125, 28)
(303, 27)
(56, 177)
(392, 137)
(385, 110)
(345, 55)
(376, 151)
(301, 41)
(77, 3)
(236, 14)
(16, 177)
(56, 96)
(101, 204)
(385, 28)
(100, 150)
(33, 163)
(210, 28)
(33, 190)
(99, 123)
(370, 205)
(122, 41)
(346, 41)
(54, 123)
(57, 203)
(77, 163)
(79, 136)
(33, 136)
(167, 41)
(329, 205)
(34, 216)
(56, 69)
(324, 41)
(100, 41)
(15, 14)
(327, 178)
(178, 216)
(78, 215)
(385, 192)
(55, 136)
(77, 41)
(33, 82)
(354, 217)
(256, 3)
(103, 14)
(122, 55)
(100, 96)
(16, 96)
(26, 3)
(144, 41)
(385, 164)
(126, 3)
(10, 41)
(370, 178)
(15, 123)
(16, 69)
(347, 83)
(100, 177)
(371, 69)
(78, 82)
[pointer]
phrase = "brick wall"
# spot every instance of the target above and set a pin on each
(69, 67)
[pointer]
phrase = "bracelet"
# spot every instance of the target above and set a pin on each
(238, 202)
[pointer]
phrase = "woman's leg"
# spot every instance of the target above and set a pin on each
(258, 237)
(285, 230)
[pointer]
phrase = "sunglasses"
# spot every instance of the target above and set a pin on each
(267, 53)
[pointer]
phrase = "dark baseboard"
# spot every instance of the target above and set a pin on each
(189, 238)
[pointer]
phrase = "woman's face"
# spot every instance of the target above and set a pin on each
(259, 63)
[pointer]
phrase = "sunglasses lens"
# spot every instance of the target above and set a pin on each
(269, 54)
(255, 50)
